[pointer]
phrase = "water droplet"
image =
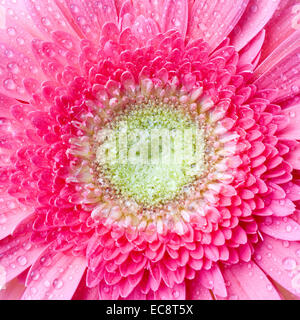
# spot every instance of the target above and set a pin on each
(106, 289)
(13, 67)
(45, 21)
(22, 260)
(269, 287)
(47, 284)
(9, 84)
(295, 89)
(292, 114)
(268, 221)
(254, 8)
(288, 228)
(34, 275)
(285, 244)
(74, 8)
(11, 31)
(20, 41)
(57, 283)
(289, 264)
(27, 246)
(45, 261)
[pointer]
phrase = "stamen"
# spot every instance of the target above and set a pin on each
(151, 154)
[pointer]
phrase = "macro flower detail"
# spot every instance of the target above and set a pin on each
(150, 149)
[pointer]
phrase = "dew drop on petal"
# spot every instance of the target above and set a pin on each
(9, 84)
(22, 260)
(57, 283)
(289, 264)
(11, 31)
(47, 284)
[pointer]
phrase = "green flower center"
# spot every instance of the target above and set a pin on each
(151, 154)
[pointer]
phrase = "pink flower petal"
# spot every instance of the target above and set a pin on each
(84, 293)
(144, 29)
(247, 281)
(105, 10)
(213, 279)
(252, 49)
(293, 157)
(281, 228)
(281, 261)
(11, 213)
(149, 9)
(85, 19)
(255, 17)
(278, 208)
(292, 191)
(54, 275)
(196, 291)
(284, 22)
(12, 290)
(17, 254)
(178, 292)
(175, 16)
(281, 69)
(209, 16)
(292, 131)
(50, 16)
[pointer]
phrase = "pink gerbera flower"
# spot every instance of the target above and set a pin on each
(221, 225)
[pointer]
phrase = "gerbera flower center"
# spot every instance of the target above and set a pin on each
(151, 153)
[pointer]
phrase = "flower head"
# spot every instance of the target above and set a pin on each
(149, 149)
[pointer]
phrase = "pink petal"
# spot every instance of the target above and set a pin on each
(293, 157)
(281, 228)
(54, 275)
(17, 254)
(219, 288)
(196, 291)
(149, 9)
(247, 281)
(213, 279)
(281, 261)
(209, 16)
(50, 16)
(292, 191)
(11, 213)
(255, 17)
(284, 22)
(252, 49)
(175, 293)
(12, 72)
(292, 131)
(278, 208)
(86, 22)
(84, 293)
(175, 16)
(105, 10)
(12, 290)
(144, 29)
(281, 69)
